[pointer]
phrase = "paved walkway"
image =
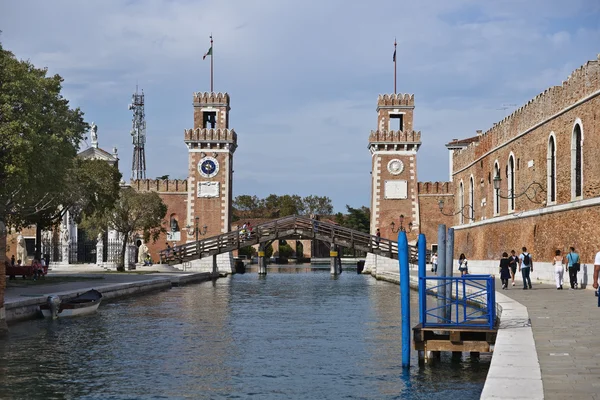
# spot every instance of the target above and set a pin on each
(566, 331)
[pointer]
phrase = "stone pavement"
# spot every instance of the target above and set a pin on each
(566, 331)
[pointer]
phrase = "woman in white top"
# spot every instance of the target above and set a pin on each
(559, 269)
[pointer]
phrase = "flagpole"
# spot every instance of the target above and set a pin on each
(211, 62)
(395, 66)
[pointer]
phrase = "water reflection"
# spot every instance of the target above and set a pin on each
(295, 333)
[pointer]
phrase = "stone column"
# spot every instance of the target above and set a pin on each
(99, 250)
(64, 243)
(127, 255)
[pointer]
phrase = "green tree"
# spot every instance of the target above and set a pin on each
(39, 137)
(247, 251)
(250, 205)
(133, 212)
(357, 218)
(90, 187)
(318, 205)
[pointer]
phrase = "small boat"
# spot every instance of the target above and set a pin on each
(82, 304)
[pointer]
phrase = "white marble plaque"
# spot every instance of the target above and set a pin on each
(208, 189)
(173, 236)
(397, 189)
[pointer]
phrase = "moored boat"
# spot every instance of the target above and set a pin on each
(83, 304)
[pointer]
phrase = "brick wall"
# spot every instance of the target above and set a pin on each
(430, 193)
(540, 225)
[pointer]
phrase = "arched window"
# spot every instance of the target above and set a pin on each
(511, 183)
(461, 202)
(496, 192)
(471, 200)
(551, 169)
(174, 223)
(576, 163)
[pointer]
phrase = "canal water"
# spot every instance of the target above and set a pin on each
(297, 333)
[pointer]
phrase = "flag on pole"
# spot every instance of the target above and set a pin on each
(209, 53)
(394, 58)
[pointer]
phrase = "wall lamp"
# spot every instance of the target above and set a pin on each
(196, 229)
(401, 227)
(469, 215)
(536, 188)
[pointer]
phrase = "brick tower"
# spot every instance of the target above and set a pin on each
(211, 145)
(393, 147)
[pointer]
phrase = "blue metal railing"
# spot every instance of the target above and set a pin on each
(468, 301)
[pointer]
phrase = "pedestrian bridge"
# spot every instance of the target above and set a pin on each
(292, 227)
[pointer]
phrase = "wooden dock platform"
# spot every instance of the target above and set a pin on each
(434, 339)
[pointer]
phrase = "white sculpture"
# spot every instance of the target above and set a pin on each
(143, 252)
(21, 250)
(94, 134)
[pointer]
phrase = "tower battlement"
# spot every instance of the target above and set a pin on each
(396, 100)
(399, 137)
(211, 99)
(210, 135)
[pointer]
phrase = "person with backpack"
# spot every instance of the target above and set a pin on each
(526, 268)
(573, 267)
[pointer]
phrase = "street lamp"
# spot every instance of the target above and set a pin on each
(461, 211)
(536, 186)
(195, 228)
(401, 228)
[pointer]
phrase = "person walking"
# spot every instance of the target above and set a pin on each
(513, 262)
(434, 262)
(526, 267)
(504, 270)
(573, 267)
(596, 271)
(463, 265)
(558, 263)
(377, 237)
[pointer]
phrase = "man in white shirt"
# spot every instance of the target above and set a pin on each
(596, 270)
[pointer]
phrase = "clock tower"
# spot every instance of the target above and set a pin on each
(211, 145)
(393, 147)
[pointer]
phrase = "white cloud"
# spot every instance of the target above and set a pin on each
(303, 76)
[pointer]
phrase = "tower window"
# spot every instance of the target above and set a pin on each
(209, 119)
(399, 125)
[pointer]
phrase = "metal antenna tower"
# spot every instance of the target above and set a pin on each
(138, 135)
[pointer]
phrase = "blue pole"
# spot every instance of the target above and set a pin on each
(441, 287)
(422, 247)
(404, 297)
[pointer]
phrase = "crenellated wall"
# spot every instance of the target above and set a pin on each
(583, 82)
(211, 98)
(204, 134)
(396, 99)
(395, 136)
(436, 188)
(160, 185)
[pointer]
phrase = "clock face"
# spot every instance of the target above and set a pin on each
(395, 166)
(208, 167)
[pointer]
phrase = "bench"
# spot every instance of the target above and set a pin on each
(26, 271)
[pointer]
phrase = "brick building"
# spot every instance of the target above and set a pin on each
(544, 160)
(201, 204)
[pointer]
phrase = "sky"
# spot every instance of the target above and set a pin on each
(303, 75)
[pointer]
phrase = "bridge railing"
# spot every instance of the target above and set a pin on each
(457, 301)
(292, 226)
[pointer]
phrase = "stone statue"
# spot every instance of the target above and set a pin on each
(21, 250)
(94, 134)
(143, 252)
